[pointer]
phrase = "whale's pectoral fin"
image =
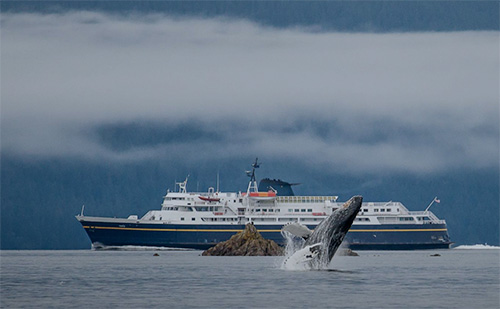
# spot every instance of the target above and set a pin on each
(297, 229)
(315, 248)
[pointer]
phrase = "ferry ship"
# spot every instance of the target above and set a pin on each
(200, 220)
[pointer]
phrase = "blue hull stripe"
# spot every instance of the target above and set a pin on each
(391, 237)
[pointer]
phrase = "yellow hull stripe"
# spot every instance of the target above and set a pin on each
(402, 230)
(234, 230)
(163, 230)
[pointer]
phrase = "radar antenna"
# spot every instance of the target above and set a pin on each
(182, 185)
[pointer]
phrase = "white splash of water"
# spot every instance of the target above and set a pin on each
(477, 246)
(293, 244)
(136, 248)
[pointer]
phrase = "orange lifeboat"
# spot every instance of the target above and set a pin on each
(269, 195)
(208, 199)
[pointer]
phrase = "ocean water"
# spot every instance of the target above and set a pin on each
(184, 279)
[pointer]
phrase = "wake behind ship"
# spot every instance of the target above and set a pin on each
(199, 220)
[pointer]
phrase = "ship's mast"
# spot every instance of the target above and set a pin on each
(182, 185)
(252, 185)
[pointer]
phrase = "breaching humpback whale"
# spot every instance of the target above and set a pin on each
(322, 243)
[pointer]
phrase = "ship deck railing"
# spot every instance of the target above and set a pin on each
(383, 204)
(429, 214)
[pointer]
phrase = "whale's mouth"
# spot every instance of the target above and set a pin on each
(350, 210)
(353, 204)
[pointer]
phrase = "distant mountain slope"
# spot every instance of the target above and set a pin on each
(40, 198)
(371, 16)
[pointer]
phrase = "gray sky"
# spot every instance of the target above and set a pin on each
(415, 102)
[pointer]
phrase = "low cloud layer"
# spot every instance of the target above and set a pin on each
(417, 102)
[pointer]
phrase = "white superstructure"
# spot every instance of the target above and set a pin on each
(266, 208)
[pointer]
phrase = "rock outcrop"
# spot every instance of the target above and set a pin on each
(248, 242)
(347, 252)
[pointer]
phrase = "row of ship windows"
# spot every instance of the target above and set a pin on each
(255, 219)
(170, 208)
(214, 208)
(204, 208)
(381, 210)
(177, 199)
(306, 199)
(219, 219)
(267, 210)
(303, 219)
(289, 210)
(288, 219)
(403, 218)
(189, 199)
